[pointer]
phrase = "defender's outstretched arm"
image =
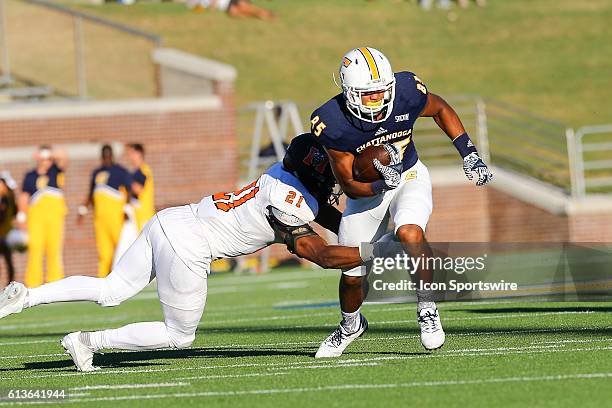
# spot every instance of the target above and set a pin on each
(315, 249)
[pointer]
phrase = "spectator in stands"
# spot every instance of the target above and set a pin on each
(108, 193)
(446, 4)
(465, 3)
(42, 210)
(427, 4)
(8, 210)
(235, 8)
(142, 184)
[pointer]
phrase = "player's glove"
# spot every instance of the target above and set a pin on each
(472, 163)
(391, 174)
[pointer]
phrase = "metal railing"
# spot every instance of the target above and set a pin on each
(528, 144)
(266, 122)
(591, 151)
(67, 42)
(434, 146)
(578, 162)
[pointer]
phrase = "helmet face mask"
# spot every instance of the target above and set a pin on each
(370, 112)
(365, 71)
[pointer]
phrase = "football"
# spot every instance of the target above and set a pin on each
(363, 168)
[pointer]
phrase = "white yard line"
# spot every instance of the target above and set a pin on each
(60, 323)
(504, 348)
(336, 362)
(212, 377)
(339, 387)
(32, 356)
(326, 366)
(21, 343)
(573, 341)
(128, 386)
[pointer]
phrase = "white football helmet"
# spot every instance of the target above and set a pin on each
(365, 70)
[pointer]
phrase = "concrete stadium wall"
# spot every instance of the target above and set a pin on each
(190, 144)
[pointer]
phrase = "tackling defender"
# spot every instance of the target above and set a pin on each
(378, 107)
(178, 244)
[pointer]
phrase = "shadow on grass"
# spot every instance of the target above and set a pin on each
(141, 359)
(118, 360)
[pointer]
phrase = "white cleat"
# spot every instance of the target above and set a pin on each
(432, 333)
(80, 353)
(334, 345)
(12, 299)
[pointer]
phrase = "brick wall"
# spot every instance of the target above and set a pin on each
(192, 151)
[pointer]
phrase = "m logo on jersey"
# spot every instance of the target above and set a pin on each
(316, 159)
(402, 118)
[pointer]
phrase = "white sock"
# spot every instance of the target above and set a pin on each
(71, 289)
(136, 336)
(350, 321)
(424, 305)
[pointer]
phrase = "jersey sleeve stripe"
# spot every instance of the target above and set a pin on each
(371, 62)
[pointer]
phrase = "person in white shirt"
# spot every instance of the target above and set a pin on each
(178, 244)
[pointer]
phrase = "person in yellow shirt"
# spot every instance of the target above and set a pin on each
(42, 210)
(143, 199)
(108, 193)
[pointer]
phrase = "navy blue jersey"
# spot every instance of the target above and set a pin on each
(53, 178)
(139, 177)
(114, 176)
(339, 129)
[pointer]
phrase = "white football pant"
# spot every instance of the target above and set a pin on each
(366, 219)
(181, 288)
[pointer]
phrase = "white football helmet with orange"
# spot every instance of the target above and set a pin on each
(366, 70)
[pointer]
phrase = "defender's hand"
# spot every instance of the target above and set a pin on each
(391, 174)
(473, 163)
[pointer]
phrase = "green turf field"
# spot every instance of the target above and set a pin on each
(548, 56)
(259, 333)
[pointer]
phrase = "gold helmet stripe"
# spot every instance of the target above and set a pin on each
(371, 62)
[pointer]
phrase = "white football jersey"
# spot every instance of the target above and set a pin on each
(230, 224)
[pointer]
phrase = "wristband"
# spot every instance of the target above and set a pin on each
(464, 145)
(366, 252)
(378, 186)
(21, 217)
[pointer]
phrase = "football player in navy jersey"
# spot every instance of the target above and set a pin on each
(379, 107)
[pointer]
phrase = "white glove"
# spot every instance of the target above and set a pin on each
(391, 174)
(473, 163)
